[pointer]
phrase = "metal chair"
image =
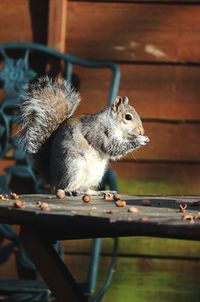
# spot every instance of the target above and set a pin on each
(16, 71)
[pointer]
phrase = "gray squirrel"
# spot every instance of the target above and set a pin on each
(74, 151)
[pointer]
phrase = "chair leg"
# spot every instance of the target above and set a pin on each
(112, 269)
(94, 265)
(110, 180)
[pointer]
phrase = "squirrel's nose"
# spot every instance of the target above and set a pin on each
(141, 131)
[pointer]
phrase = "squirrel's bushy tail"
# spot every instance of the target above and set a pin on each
(46, 104)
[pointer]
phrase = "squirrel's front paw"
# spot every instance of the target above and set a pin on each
(142, 140)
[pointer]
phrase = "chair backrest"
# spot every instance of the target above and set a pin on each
(14, 73)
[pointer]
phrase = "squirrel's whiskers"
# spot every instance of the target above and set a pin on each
(133, 156)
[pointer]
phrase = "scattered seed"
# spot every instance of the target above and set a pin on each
(147, 202)
(44, 206)
(4, 197)
(86, 198)
(94, 208)
(108, 196)
(116, 197)
(133, 210)
(108, 212)
(60, 194)
(120, 203)
(144, 218)
(187, 217)
(14, 196)
(183, 207)
(197, 216)
(19, 204)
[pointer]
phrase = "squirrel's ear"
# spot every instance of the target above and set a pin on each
(125, 100)
(118, 101)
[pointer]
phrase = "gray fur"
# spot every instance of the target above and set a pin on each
(91, 133)
(44, 106)
(79, 148)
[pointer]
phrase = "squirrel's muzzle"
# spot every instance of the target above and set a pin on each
(140, 130)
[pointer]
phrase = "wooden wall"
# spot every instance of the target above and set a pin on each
(148, 269)
(23, 20)
(156, 44)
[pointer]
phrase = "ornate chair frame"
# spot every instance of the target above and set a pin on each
(13, 75)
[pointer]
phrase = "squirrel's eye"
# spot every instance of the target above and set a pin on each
(128, 117)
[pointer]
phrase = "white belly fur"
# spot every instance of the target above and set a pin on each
(88, 170)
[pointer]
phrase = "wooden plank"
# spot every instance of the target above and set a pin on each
(134, 247)
(78, 265)
(145, 279)
(77, 253)
(8, 268)
(163, 92)
(57, 24)
(128, 31)
(142, 280)
(165, 186)
(176, 142)
(77, 220)
(160, 178)
(145, 1)
(157, 247)
(23, 21)
(127, 247)
(157, 171)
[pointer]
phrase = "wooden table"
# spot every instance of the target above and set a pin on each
(71, 218)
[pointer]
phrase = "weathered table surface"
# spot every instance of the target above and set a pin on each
(72, 218)
(69, 218)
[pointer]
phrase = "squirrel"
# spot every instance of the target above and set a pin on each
(76, 150)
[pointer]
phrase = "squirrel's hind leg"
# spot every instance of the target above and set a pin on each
(99, 193)
(74, 193)
(88, 192)
(79, 193)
